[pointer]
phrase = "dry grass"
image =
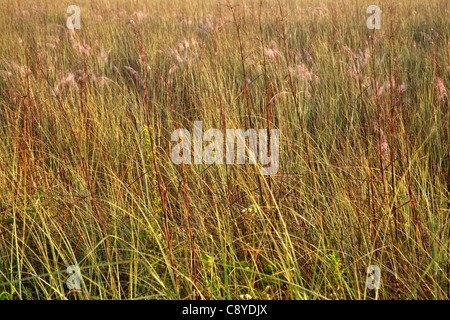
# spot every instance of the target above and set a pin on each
(86, 177)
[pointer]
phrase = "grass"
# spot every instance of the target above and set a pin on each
(86, 177)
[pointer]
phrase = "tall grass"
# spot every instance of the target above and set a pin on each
(86, 176)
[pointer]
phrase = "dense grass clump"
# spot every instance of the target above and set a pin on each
(86, 176)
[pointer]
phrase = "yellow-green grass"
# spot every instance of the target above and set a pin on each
(86, 176)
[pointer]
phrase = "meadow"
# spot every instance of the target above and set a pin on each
(87, 179)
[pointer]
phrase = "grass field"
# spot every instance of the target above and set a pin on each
(87, 179)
